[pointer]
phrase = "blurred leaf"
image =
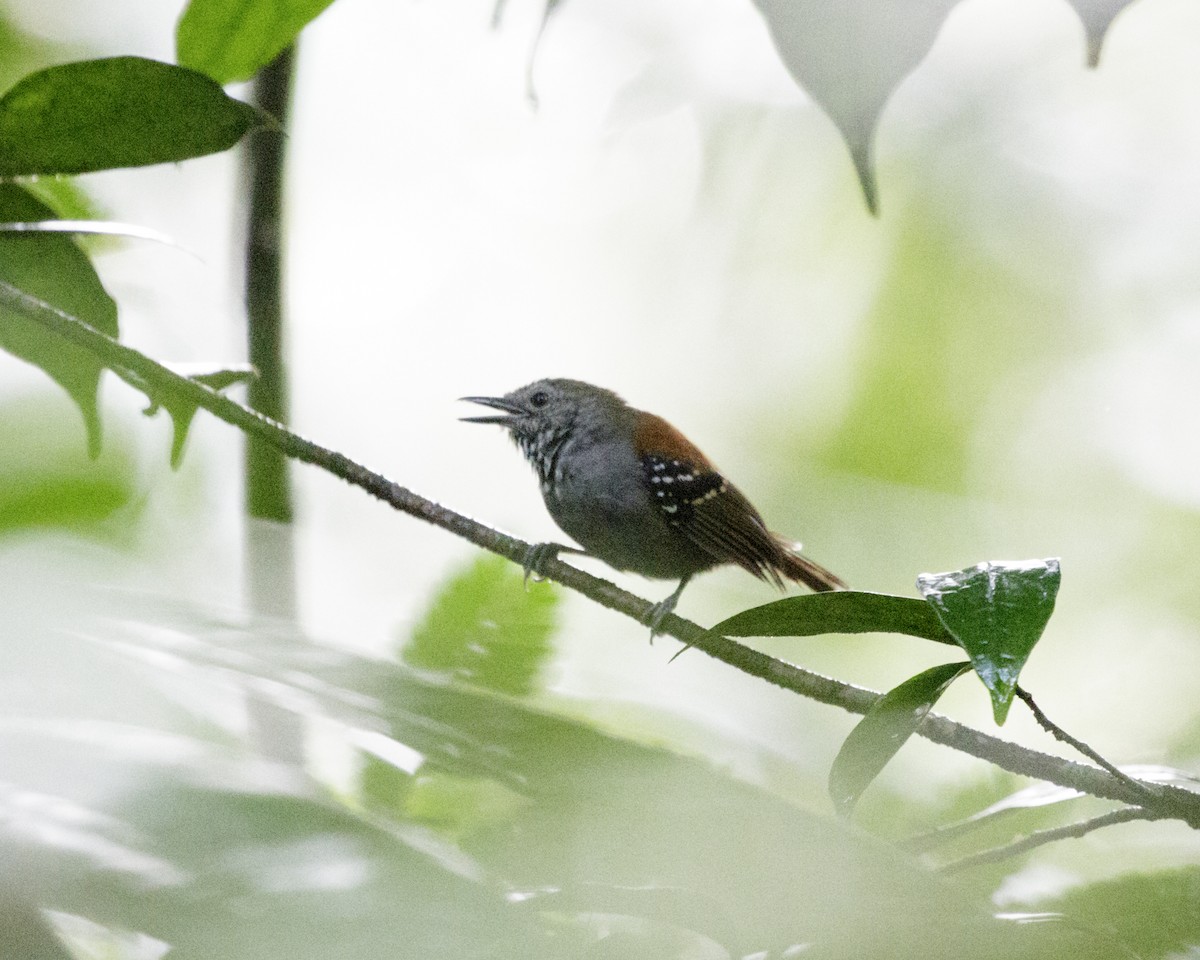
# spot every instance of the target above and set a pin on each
(232, 40)
(838, 611)
(118, 112)
(65, 196)
(997, 612)
(884, 730)
(850, 56)
(21, 51)
(1097, 17)
(182, 411)
(548, 10)
(46, 481)
(458, 806)
(198, 841)
(485, 628)
(24, 932)
(946, 326)
(51, 268)
(70, 201)
(61, 501)
(1140, 914)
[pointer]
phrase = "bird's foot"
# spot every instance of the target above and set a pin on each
(658, 613)
(661, 610)
(538, 554)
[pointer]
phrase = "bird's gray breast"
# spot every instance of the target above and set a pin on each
(596, 492)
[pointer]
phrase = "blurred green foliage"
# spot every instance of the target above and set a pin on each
(466, 817)
(518, 829)
(46, 480)
(52, 269)
(232, 40)
(484, 629)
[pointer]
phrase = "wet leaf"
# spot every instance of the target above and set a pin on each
(232, 40)
(486, 629)
(996, 611)
(51, 268)
(884, 730)
(117, 112)
(840, 611)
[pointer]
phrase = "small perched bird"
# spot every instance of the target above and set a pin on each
(635, 492)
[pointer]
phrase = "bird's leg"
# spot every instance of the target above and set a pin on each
(658, 612)
(539, 553)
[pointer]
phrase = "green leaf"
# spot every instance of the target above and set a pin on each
(46, 482)
(52, 269)
(233, 39)
(487, 629)
(840, 611)
(66, 196)
(119, 112)
(884, 730)
(182, 410)
(996, 612)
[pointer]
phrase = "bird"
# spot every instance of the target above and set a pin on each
(635, 493)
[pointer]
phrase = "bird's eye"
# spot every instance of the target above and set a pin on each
(539, 399)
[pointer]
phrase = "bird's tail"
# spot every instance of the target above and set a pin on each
(800, 569)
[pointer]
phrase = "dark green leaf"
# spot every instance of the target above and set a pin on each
(487, 629)
(52, 269)
(840, 611)
(996, 612)
(182, 410)
(119, 112)
(884, 730)
(233, 39)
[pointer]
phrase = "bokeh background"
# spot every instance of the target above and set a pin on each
(1001, 365)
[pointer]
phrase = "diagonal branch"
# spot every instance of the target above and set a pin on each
(1052, 835)
(1172, 802)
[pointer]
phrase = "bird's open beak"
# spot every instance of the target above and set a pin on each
(498, 403)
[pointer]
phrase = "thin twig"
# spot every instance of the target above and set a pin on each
(1173, 801)
(1041, 837)
(1060, 734)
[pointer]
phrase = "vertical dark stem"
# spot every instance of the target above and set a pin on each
(268, 490)
(270, 559)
